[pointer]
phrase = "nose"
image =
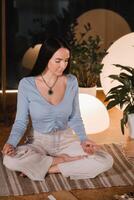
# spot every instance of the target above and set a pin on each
(63, 64)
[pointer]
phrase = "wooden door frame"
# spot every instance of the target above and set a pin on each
(3, 59)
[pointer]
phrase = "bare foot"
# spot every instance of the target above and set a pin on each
(54, 169)
(66, 158)
(22, 175)
(61, 159)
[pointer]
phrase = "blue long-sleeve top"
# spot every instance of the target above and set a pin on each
(46, 117)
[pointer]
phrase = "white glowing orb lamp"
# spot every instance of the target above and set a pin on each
(120, 52)
(94, 114)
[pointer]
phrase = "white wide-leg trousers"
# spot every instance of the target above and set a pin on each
(35, 159)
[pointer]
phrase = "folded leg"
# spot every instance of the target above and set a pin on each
(30, 161)
(88, 167)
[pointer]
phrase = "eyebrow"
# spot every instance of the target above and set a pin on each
(61, 58)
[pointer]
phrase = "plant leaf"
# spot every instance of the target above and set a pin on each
(111, 104)
(122, 125)
(127, 68)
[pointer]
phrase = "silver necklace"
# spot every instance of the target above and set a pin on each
(50, 91)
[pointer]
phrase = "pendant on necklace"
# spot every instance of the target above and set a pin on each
(50, 91)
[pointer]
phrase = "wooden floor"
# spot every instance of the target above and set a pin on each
(111, 135)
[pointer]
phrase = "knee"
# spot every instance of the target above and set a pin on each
(10, 162)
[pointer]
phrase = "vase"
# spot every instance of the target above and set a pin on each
(88, 90)
(131, 125)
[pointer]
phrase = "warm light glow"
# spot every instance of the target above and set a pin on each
(16, 91)
(94, 114)
(105, 23)
(30, 56)
(9, 91)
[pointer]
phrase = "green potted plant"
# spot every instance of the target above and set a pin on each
(123, 95)
(86, 58)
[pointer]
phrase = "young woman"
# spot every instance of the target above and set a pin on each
(50, 97)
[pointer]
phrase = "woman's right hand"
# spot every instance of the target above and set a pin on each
(8, 149)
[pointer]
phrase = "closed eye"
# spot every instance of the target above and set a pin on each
(59, 60)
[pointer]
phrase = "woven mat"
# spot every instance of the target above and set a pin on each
(122, 174)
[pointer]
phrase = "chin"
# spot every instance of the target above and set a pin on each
(60, 74)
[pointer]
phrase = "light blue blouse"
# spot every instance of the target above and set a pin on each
(46, 117)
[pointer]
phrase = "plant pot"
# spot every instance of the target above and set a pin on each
(131, 125)
(88, 90)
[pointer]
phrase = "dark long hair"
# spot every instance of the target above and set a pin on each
(48, 48)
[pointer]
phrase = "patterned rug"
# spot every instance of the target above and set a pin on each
(126, 196)
(122, 174)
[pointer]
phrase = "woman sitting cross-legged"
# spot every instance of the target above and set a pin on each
(50, 97)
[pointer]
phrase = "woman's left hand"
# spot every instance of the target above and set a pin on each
(89, 146)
